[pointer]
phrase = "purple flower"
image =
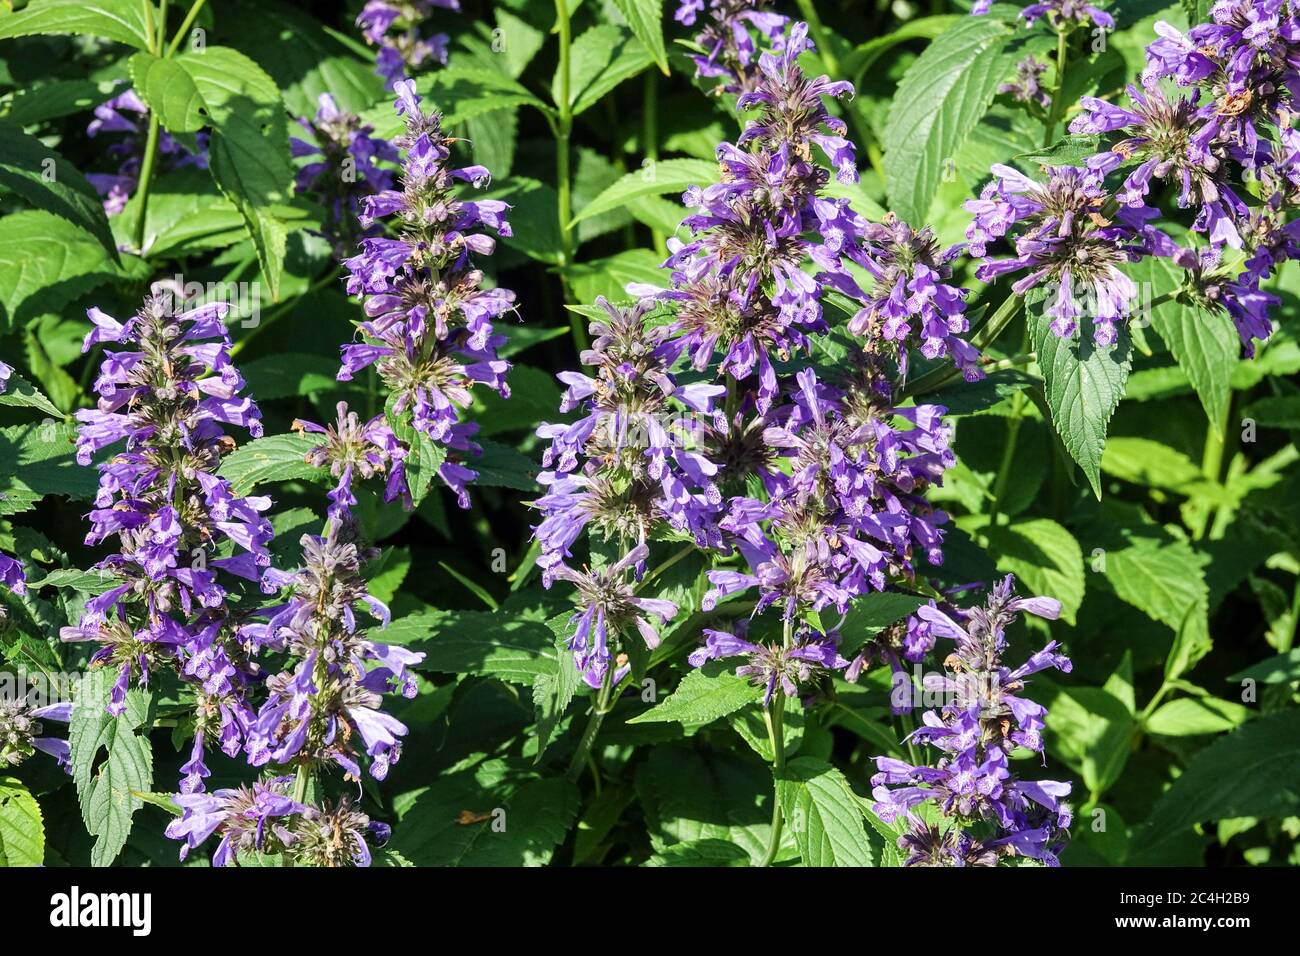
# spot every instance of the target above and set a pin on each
(985, 718)
(344, 168)
(167, 397)
(327, 697)
(429, 329)
(608, 610)
(730, 54)
(1063, 239)
(127, 114)
(1027, 86)
(800, 665)
(394, 26)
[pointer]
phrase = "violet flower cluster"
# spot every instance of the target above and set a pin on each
(394, 27)
(325, 704)
(1210, 127)
(183, 537)
(344, 168)
(429, 332)
(971, 787)
(265, 819)
(127, 114)
(730, 52)
(818, 486)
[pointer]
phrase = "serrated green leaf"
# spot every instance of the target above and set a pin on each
(1188, 716)
(1280, 669)
(107, 790)
(1083, 384)
(1204, 344)
(940, 99)
(118, 20)
(1253, 772)
(1044, 556)
(824, 815)
(22, 828)
(46, 262)
(20, 393)
(704, 695)
(48, 181)
(704, 853)
(478, 642)
(274, 458)
(35, 462)
(248, 149)
(665, 176)
(645, 18)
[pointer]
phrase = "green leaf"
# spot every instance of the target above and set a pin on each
(704, 695)
(107, 789)
(645, 17)
(870, 613)
(609, 276)
(118, 20)
(423, 456)
(46, 262)
(553, 691)
(48, 181)
(35, 462)
(1277, 411)
(501, 466)
(1188, 716)
(708, 852)
(1165, 579)
(1281, 669)
(303, 58)
(274, 458)
(21, 393)
(1253, 772)
(486, 817)
(665, 176)
(1204, 344)
(248, 149)
(1083, 384)
(689, 796)
(1045, 558)
(22, 829)
(629, 59)
(1090, 729)
(861, 58)
(51, 100)
(478, 642)
(940, 100)
(824, 815)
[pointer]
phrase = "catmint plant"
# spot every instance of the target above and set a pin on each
(429, 332)
(184, 539)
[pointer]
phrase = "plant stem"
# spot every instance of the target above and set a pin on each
(280, 310)
(650, 136)
(150, 35)
(146, 180)
(563, 170)
(1058, 101)
(774, 718)
(598, 712)
(185, 26)
(1216, 441)
(301, 783)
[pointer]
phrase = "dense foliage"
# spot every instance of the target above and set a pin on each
(714, 433)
